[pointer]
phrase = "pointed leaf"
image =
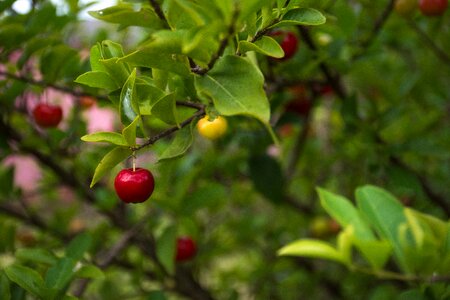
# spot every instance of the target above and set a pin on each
(59, 276)
(180, 144)
(28, 279)
(124, 14)
(265, 45)
(129, 107)
(312, 248)
(97, 79)
(108, 137)
(236, 87)
(165, 109)
(301, 16)
(109, 161)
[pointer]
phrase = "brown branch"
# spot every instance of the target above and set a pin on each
(379, 23)
(45, 84)
(200, 113)
(223, 44)
(441, 54)
(158, 11)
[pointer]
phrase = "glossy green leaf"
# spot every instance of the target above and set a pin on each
(59, 276)
(129, 132)
(116, 70)
(109, 161)
(312, 248)
(129, 107)
(107, 137)
(165, 109)
(385, 213)
(97, 79)
(90, 271)
(301, 16)
(265, 45)
(125, 15)
(182, 14)
(180, 144)
(37, 255)
(110, 49)
(376, 252)
(165, 248)
(28, 279)
(236, 87)
(95, 57)
(78, 246)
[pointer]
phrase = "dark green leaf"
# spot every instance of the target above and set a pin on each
(78, 246)
(267, 177)
(36, 255)
(59, 276)
(180, 144)
(28, 279)
(109, 161)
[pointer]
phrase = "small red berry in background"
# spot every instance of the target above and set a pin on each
(134, 186)
(300, 103)
(186, 249)
(327, 90)
(433, 7)
(87, 102)
(47, 115)
(288, 42)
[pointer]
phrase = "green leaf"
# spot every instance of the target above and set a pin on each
(129, 132)
(59, 276)
(165, 248)
(273, 186)
(312, 248)
(109, 161)
(95, 57)
(90, 271)
(97, 79)
(28, 279)
(386, 214)
(343, 211)
(108, 137)
(236, 87)
(265, 45)
(301, 16)
(156, 295)
(110, 49)
(38, 255)
(78, 246)
(180, 144)
(165, 109)
(129, 107)
(124, 14)
(117, 70)
(250, 7)
(182, 14)
(5, 292)
(376, 252)
(56, 61)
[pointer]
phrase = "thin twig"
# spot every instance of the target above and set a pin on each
(158, 11)
(441, 54)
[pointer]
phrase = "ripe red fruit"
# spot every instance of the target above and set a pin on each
(433, 7)
(47, 115)
(186, 248)
(134, 186)
(288, 42)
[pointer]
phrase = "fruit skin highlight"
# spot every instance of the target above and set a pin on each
(186, 249)
(47, 115)
(134, 186)
(212, 129)
(433, 7)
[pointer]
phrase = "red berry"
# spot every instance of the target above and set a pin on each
(433, 7)
(288, 42)
(186, 249)
(134, 186)
(47, 115)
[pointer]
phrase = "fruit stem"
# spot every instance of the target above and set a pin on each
(134, 160)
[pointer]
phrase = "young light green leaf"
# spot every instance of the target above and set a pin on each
(59, 276)
(376, 252)
(165, 248)
(236, 87)
(386, 214)
(312, 248)
(129, 132)
(95, 57)
(109, 161)
(301, 16)
(97, 79)
(78, 246)
(345, 242)
(343, 211)
(108, 137)
(265, 45)
(38, 255)
(28, 279)
(180, 144)
(110, 49)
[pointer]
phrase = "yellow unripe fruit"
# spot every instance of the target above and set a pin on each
(212, 129)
